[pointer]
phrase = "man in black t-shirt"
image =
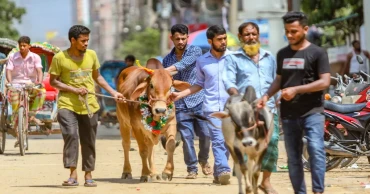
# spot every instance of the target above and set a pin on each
(303, 73)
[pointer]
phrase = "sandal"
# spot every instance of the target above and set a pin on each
(90, 183)
(70, 182)
(267, 191)
(206, 168)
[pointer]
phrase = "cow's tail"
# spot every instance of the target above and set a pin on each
(203, 118)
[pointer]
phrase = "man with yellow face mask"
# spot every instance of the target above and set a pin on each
(253, 66)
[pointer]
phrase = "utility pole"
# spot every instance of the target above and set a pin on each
(164, 12)
(233, 16)
(296, 5)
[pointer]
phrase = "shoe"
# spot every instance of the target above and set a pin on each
(191, 175)
(223, 178)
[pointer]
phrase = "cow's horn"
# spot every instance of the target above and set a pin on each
(149, 71)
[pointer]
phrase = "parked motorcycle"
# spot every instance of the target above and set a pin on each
(343, 142)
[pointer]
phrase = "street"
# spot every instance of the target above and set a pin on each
(41, 171)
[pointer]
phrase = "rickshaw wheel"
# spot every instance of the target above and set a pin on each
(22, 134)
(2, 142)
(27, 142)
(108, 125)
(3, 128)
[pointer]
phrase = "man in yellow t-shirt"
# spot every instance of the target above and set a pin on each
(73, 73)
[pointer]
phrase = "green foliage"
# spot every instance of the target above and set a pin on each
(143, 45)
(321, 11)
(8, 13)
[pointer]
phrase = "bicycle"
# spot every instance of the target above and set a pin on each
(20, 116)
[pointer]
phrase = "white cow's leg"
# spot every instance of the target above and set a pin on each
(239, 174)
(248, 186)
(256, 174)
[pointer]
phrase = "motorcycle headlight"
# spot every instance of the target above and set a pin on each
(336, 99)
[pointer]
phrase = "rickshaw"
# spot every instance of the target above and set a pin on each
(109, 70)
(48, 112)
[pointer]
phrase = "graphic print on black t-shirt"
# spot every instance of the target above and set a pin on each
(299, 68)
(293, 63)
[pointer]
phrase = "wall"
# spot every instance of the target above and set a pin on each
(270, 11)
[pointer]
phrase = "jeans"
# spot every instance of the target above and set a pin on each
(313, 128)
(188, 127)
(220, 152)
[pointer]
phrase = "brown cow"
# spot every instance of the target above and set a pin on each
(132, 83)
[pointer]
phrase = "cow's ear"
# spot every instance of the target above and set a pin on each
(250, 94)
(139, 89)
(180, 85)
(220, 115)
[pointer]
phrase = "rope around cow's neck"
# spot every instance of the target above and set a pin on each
(83, 99)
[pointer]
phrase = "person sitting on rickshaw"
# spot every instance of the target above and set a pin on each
(24, 67)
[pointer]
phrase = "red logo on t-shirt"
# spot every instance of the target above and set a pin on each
(293, 63)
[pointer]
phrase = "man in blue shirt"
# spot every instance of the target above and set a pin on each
(209, 77)
(182, 59)
(253, 66)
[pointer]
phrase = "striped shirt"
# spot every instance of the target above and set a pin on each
(186, 72)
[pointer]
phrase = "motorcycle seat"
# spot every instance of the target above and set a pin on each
(343, 108)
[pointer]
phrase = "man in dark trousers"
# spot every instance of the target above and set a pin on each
(73, 72)
(303, 73)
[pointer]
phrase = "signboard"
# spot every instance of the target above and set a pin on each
(264, 27)
(337, 54)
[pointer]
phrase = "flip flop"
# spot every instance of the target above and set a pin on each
(90, 183)
(70, 182)
(267, 191)
(206, 168)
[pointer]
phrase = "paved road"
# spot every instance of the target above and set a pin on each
(41, 171)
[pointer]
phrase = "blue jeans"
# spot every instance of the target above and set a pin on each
(220, 152)
(188, 127)
(313, 128)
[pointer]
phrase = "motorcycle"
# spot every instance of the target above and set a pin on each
(344, 144)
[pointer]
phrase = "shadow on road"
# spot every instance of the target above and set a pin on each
(31, 153)
(118, 180)
(137, 181)
(47, 186)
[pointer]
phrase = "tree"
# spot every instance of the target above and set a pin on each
(9, 12)
(143, 45)
(319, 12)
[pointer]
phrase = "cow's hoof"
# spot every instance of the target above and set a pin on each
(145, 179)
(166, 176)
(156, 177)
(126, 175)
(248, 192)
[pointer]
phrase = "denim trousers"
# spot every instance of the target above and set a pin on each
(220, 152)
(312, 126)
(188, 127)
